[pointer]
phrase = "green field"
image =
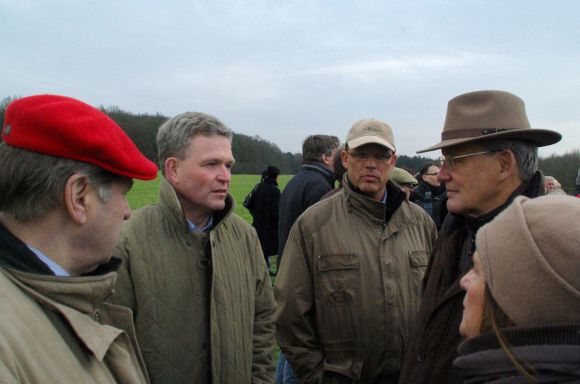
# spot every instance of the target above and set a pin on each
(145, 192)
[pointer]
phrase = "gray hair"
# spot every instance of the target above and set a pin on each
(175, 135)
(32, 184)
(525, 153)
(315, 146)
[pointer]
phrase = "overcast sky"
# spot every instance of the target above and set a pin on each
(286, 69)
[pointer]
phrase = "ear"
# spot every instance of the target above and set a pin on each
(76, 197)
(507, 165)
(326, 159)
(171, 169)
(344, 158)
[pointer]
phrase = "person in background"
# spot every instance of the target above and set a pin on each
(66, 170)
(264, 211)
(194, 274)
(308, 186)
(553, 186)
(404, 180)
(521, 314)
(338, 170)
(490, 157)
(349, 283)
(430, 194)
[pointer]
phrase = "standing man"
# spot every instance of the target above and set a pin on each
(351, 274)
(308, 186)
(490, 157)
(429, 194)
(66, 169)
(194, 272)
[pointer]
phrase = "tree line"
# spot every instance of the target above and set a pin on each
(253, 153)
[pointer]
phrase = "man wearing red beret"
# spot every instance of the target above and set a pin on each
(194, 273)
(66, 168)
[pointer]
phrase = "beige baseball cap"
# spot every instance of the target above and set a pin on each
(370, 131)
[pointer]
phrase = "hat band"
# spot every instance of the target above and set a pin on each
(464, 133)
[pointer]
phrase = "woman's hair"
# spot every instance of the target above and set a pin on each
(494, 319)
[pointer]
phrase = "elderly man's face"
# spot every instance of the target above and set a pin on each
(471, 181)
(549, 185)
(368, 167)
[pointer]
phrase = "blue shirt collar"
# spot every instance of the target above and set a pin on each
(51, 264)
(194, 228)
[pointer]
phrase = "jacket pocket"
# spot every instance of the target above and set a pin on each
(418, 262)
(337, 298)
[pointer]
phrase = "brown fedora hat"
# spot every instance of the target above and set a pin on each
(488, 115)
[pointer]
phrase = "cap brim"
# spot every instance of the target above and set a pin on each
(541, 137)
(355, 143)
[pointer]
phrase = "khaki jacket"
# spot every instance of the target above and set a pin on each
(350, 285)
(58, 330)
(159, 281)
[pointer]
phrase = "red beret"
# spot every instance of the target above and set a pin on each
(65, 127)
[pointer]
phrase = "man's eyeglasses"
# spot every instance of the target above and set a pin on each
(381, 157)
(449, 161)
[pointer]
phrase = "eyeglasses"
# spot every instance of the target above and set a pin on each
(449, 161)
(431, 174)
(381, 157)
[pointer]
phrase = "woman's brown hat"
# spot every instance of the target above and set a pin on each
(486, 115)
(529, 255)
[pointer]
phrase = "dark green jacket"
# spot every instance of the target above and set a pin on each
(160, 281)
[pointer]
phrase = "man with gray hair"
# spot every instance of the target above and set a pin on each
(194, 272)
(490, 156)
(350, 279)
(66, 170)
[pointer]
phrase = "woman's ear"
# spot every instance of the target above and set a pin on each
(76, 199)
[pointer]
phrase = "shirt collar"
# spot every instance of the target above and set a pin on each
(194, 228)
(54, 267)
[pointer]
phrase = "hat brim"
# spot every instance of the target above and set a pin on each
(541, 137)
(355, 143)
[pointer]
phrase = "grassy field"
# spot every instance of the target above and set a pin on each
(146, 192)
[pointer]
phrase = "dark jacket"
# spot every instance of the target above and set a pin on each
(433, 203)
(436, 337)
(552, 351)
(306, 188)
(264, 210)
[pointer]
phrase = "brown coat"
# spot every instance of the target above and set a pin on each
(349, 286)
(434, 344)
(58, 330)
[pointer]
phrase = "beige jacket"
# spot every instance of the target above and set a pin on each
(349, 286)
(58, 330)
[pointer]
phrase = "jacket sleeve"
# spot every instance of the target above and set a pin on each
(295, 311)
(124, 289)
(264, 341)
